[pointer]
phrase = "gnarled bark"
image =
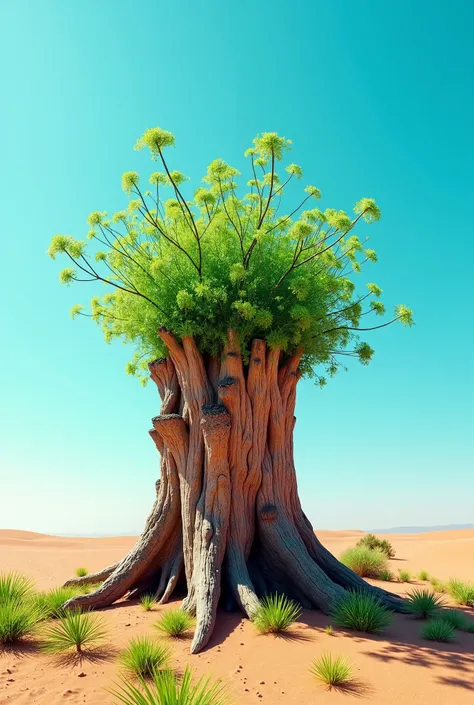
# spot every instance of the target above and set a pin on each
(227, 516)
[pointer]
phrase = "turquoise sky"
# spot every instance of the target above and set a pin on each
(378, 99)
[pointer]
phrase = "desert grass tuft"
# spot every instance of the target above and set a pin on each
(438, 629)
(423, 603)
(387, 575)
(81, 572)
(423, 575)
(76, 630)
(458, 620)
(148, 602)
(404, 576)
(334, 671)
(175, 623)
(14, 586)
(143, 657)
(438, 585)
(366, 562)
(166, 688)
(18, 620)
(329, 630)
(462, 593)
(276, 614)
(373, 542)
(51, 603)
(362, 611)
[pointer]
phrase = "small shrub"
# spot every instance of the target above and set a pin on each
(275, 614)
(404, 576)
(386, 575)
(362, 611)
(147, 602)
(329, 630)
(334, 671)
(366, 562)
(423, 603)
(462, 593)
(17, 620)
(81, 572)
(371, 541)
(167, 689)
(423, 575)
(438, 585)
(143, 657)
(438, 629)
(175, 623)
(51, 603)
(14, 586)
(75, 630)
(457, 620)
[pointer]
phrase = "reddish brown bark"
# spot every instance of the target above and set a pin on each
(227, 516)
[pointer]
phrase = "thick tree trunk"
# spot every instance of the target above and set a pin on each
(227, 516)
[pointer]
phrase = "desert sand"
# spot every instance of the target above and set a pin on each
(395, 668)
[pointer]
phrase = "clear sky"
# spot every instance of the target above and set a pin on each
(378, 99)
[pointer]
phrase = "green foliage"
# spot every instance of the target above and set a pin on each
(462, 593)
(438, 629)
(329, 630)
(221, 258)
(404, 576)
(387, 575)
(167, 689)
(334, 671)
(75, 629)
(371, 540)
(276, 614)
(438, 585)
(423, 603)
(51, 603)
(423, 575)
(81, 572)
(365, 561)
(175, 623)
(14, 586)
(361, 611)
(18, 619)
(143, 657)
(457, 619)
(148, 602)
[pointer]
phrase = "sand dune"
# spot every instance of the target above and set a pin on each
(393, 669)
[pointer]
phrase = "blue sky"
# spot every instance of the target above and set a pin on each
(378, 100)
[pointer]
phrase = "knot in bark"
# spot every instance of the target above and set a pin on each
(268, 512)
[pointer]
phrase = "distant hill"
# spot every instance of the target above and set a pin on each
(419, 529)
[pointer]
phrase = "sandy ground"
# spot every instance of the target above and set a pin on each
(393, 669)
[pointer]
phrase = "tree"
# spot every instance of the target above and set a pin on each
(228, 303)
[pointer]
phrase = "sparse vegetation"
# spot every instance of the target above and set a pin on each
(371, 541)
(423, 603)
(81, 572)
(14, 586)
(51, 602)
(329, 630)
(462, 593)
(363, 612)
(438, 585)
(148, 602)
(175, 623)
(438, 629)
(275, 614)
(17, 620)
(423, 575)
(366, 562)
(77, 630)
(167, 689)
(387, 575)
(143, 657)
(404, 576)
(334, 671)
(458, 620)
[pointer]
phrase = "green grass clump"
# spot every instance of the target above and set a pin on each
(423, 603)
(423, 575)
(147, 602)
(14, 586)
(166, 688)
(366, 562)
(143, 657)
(17, 620)
(438, 629)
(275, 614)
(175, 623)
(371, 541)
(404, 576)
(81, 572)
(77, 630)
(462, 593)
(386, 574)
(51, 602)
(329, 630)
(334, 671)
(361, 611)
(438, 585)
(458, 620)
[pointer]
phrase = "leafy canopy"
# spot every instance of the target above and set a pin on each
(226, 259)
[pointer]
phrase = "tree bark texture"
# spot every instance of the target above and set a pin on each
(227, 518)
